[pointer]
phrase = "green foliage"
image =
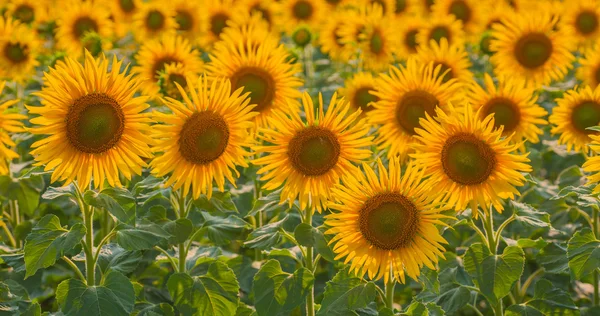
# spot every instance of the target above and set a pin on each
(345, 293)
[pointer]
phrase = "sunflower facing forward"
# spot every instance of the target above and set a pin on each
(28, 11)
(386, 224)
(514, 107)
(469, 159)
(469, 12)
(153, 20)
(10, 122)
(94, 126)
(405, 95)
(293, 13)
(528, 46)
(442, 26)
(357, 91)
(577, 110)
(592, 164)
(589, 71)
(203, 139)
(452, 58)
(309, 156)
(582, 18)
(19, 47)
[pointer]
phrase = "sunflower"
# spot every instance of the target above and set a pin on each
(388, 7)
(216, 16)
(203, 139)
(187, 16)
(94, 125)
(330, 40)
(154, 19)
(253, 29)
(405, 95)
(442, 26)
(27, 11)
(405, 8)
(582, 18)
(377, 42)
(337, 4)
(19, 46)
(592, 164)
(425, 7)
(469, 159)
(589, 72)
(577, 110)
(514, 107)
(352, 32)
(154, 55)
(122, 12)
(529, 47)
(266, 9)
(406, 33)
(171, 74)
(469, 12)
(495, 14)
(386, 224)
(452, 58)
(82, 25)
(357, 91)
(10, 122)
(295, 12)
(264, 70)
(309, 156)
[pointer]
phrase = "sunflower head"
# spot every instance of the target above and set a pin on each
(453, 60)
(385, 218)
(443, 26)
(358, 91)
(19, 46)
(171, 78)
(316, 151)
(153, 20)
(582, 19)
(95, 127)
(589, 72)
(27, 11)
(302, 36)
(592, 164)
(469, 159)
(204, 137)
(10, 122)
(297, 12)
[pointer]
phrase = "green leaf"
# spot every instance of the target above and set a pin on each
(215, 293)
(429, 279)
(244, 310)
(571, 176)
(452, 298)
(26, 191)
(266, 236)
(583, 251)
(118, 201)
(48, 241)
(113, 257)
(305, 234)
(277, 292)
(554, 258)
(222, 230)
(180, 229)
(527, 215)
(53, 193)
(495, 275)
(420, 309)
(547, 300)
(530, 243)
(220, 202)
(266, 203)
(114, 297)
(144, 235)
(346, 293)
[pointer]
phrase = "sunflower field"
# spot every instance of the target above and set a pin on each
(300, 157)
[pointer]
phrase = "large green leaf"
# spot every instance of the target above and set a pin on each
(114, 297)
(48, 241)
(53, 193)
(180, 230)
(571, 176)
(547, 300)
(144, 235)
(222, 230)
(420, 309)
(220, 202)
(346, 293)
(266, 236)
(277, 292)
(495, 275)
(118, 259)
(266, 203)
(529, 216)
(307, 235)
(584, 253)
(26, 191)
(214, 293)
(554, 258)
(118, 201)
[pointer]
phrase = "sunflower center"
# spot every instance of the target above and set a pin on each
(218, 22)
(203, 138)
(587, 22)
(301, 37)
(400, 6)
(388, 221)
(440, 32)
(24, 13)
(259, 83)
(160, 64)
(413, 107)
(411, 40)
(376, 43)
(155, 20)
(127, 5)
(185, 21)
(505, 113)
(83, 25)
(443, 68)
(314, 151)
(460, 10)
(302, 10)
(16, 52)
(362, 98)
(586, 114)
(467, 160)
(95, 123)
(533, 50)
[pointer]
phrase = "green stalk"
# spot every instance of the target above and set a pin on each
(595, 229)
(182, 247)
(488, 223)
(310, 298)
(74, 268)
(88, 245)
(9, 235)
(259, 219)
(389, 293)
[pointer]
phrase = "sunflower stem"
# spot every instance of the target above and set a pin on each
(389, 293)
(181, 199)
(308, 259)
(9, 235)
(90, 268)
(596, 276)
(74, 268)
(488, 223)
(259, 218)
(14, 210)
